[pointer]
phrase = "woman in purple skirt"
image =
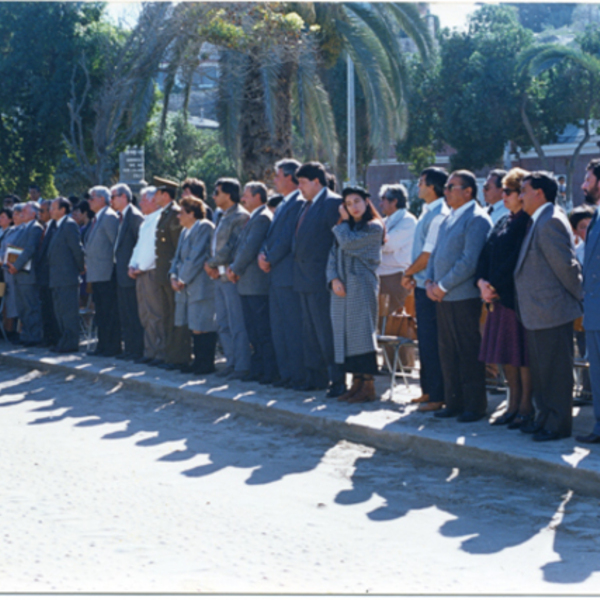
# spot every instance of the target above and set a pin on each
(504, 337)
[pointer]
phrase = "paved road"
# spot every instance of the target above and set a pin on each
(106, 490)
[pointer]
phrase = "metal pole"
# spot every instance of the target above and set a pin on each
(351, 125)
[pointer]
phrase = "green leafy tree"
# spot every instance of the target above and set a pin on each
(481, 88)
(39, 44)
(538, 16)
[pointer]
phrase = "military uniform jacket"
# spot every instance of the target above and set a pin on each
(168, 230)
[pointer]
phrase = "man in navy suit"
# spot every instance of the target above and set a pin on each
(277, 259)
(130, 218)
(312, 243)
(591, 294)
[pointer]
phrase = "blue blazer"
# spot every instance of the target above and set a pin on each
(591, 277)
(312, 242)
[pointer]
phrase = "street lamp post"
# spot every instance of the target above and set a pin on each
(351, 125)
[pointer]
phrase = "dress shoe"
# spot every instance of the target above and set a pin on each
(123, 356)
(96, 353)
(429, 406)
(591, 438)
(238, 375)
(266, 380)
(521, 420)
(304, 387)
(250, 377)
(186, 369)
(31, 344)
(67, 350)
(506, 418)
(155, 362)
(281, 383)
(366, 393)
(530, 427)
(357, 383)
(470, 416)
(336, 390)
(224, 372)
(171, 366)
(544, 435)
(144, 360)
(420, 399)
(446, 413)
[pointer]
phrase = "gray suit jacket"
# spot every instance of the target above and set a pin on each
(65, 255)
(253, 281)
(100, 247)
(29, 239)
(192, 252)
(227, 233)
(548, 276)
(127, 236)
(453, 262)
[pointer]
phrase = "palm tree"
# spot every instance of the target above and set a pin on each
(273, 60)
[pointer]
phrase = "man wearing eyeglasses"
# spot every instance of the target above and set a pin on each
(450, 283)
(492, 192)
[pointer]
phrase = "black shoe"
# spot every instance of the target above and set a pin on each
(66, 350)
(281, 383)
(470, 416)
(446, 413)
(123, 356)
(185, 369)
(591, 438)
(249, 377)
(143, 360)
(521, 420)
(174, 366)
(506, 418)
(336, 390)
(240, 375)
(31, 344)
(96, 353)
(544, 435)
(266, 380)
(226, 372)
(304, 387)
(155, 362)
(530, 427)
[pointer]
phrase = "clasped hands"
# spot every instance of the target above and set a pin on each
(434, 291)
(488, 292)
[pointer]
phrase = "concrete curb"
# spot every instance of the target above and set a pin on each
(441, 450)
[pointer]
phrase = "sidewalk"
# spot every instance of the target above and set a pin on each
(391, 424)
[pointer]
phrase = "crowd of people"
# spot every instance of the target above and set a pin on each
(290, 283)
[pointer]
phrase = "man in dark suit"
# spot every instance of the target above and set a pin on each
(130, 219)
(24, 272)
(65, 264)
(548, 284)
(591, 294)
(312, 243)
(277, 259)
(99, 260)
(51, 333)
(253, 284)
(178, 339)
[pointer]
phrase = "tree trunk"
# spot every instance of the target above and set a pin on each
(531, 134)
(265, 121)
(573, 159)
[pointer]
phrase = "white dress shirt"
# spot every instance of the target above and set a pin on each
(144, 252)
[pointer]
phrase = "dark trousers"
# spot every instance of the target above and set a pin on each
(133, 332)
(49, 322)
(317, 338)
(286, 330)
(258, 327)
(459, 341)
(65, 300)
(178, 340)
(432, 380)
(30, 311)
(107, 316)
(593, 353)
(551, 359)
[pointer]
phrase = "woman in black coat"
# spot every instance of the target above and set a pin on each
(503, 339)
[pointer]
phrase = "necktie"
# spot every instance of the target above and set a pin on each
(490, 210)
(303, 215)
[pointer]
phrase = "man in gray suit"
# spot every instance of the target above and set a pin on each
(230, 316)
(450, 283)
(99, 260)
(65, 264)
(277, 259)
(548, 284)
(24, 272)
(130, 219)
(253, 283)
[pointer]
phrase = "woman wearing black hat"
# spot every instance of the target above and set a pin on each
(351, 275)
